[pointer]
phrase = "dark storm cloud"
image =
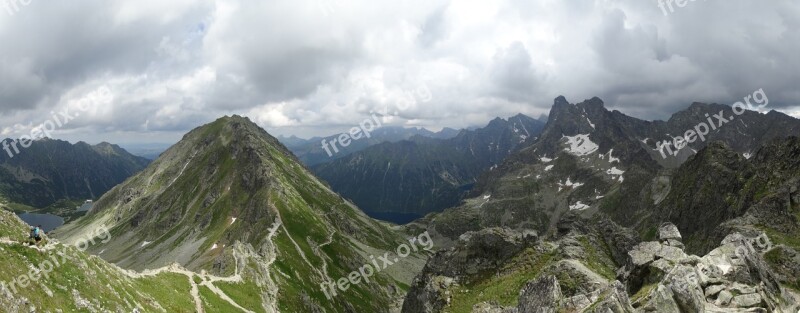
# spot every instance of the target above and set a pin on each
(314, 66)
(513, 74)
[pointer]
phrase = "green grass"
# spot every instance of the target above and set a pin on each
(777, 260)
(593, 259)
(402, 286)
(503, 289)
(213, 303)
(170, 290)
(20, 208)
(792, 240)
(651, 234)
(93, 280)
(90, 277)
(643, 292)
(246, 294)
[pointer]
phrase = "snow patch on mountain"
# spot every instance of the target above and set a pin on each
(580, 145)
(615, 171)
(578, 206)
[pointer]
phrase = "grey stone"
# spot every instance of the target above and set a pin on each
(541, 296)
(669, 231)
(674, 243)
(686, 289)
(712, 291)
(614, 299)
(644, 253)
(576, 303)
(430, 294)
(747, 301)
(485, 307)
(743, 289)
(662, 265)
(673, 254)
(662, 301)
(724, 298)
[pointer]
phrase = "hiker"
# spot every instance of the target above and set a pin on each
(36, 234)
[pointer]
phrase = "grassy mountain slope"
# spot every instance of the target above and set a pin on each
(230, 200)
(81, 282)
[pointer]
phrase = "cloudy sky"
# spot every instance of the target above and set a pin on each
(150, 70)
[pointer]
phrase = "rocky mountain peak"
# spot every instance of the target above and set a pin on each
(560, 100)
(229, 199)
(594, 102)
(497, 122)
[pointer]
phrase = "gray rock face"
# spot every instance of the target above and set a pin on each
(727, 279)
(724, 298)
(668, 231)
(747, 301)
(473, 255)
(541, 296)
(429, 294)
(545, 295)
(480, 251)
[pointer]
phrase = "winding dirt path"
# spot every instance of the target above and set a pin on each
(207, 280)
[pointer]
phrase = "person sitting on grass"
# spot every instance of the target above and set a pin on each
(36, 234)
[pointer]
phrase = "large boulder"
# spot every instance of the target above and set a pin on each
(541, 296)
(480, 251)
(731, 278)
(429, 294)
(669, 231)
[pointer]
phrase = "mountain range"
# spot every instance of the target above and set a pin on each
(421, 175)
(232, 201)
(52, 170)
(591, 196)
(582, 214)
(311, 151)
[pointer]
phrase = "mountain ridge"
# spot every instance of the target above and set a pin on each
(423, 175)
(231, 199)
(51, 170)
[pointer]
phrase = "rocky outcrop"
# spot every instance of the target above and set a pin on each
(480, 251)
(429, 293)
(474, 255)
(656, 276)
(229, 183)
(734, 277)
(542, 295)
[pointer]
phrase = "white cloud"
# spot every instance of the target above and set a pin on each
(318, 66)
